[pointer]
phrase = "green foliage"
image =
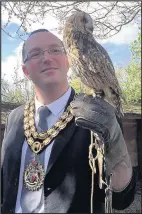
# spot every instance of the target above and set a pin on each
(76, 85)
(135, 48)
(15, 93)
(130, 78)
(132, 87)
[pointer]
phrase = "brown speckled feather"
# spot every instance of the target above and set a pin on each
(89, 60)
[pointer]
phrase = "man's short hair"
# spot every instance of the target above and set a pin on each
(35, 31)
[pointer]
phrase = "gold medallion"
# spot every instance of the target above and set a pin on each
(34, 176)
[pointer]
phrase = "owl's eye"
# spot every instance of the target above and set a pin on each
(84, 20)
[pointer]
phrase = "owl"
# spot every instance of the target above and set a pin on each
(90, 61)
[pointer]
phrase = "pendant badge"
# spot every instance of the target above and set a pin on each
(34, 176)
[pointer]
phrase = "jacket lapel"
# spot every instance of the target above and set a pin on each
(62, 139)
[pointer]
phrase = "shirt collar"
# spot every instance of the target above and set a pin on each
(57, 106)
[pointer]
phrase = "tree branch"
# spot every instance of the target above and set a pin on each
(102, 13)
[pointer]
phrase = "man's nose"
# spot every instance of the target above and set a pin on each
(46, 56)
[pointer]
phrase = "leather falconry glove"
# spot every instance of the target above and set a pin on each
(98, 116)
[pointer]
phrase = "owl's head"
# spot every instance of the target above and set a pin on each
(81, 21)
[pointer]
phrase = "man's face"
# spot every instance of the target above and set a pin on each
(50, 68)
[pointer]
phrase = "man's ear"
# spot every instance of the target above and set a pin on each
(25, 71)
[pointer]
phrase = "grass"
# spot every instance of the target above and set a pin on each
(132, 108)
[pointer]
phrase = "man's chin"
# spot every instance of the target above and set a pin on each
(50, 82)
(47, 81)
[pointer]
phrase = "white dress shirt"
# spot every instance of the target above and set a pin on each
(57, 108)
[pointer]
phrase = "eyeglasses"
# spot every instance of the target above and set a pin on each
(36, 54)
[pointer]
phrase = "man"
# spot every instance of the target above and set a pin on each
(50, 173)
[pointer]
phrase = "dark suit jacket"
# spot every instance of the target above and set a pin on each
(67, 185)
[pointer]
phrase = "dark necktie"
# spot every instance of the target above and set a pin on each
(43, 114)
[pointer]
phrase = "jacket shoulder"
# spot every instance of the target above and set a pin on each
(15, 115)
(18, 110)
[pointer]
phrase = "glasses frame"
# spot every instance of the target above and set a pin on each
(27, 58)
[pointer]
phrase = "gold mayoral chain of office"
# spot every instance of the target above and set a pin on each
(34, 173)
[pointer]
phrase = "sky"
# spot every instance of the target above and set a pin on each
(116, 46)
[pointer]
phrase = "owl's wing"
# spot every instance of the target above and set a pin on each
(98, 61)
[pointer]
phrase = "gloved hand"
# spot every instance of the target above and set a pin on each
(98, 116)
